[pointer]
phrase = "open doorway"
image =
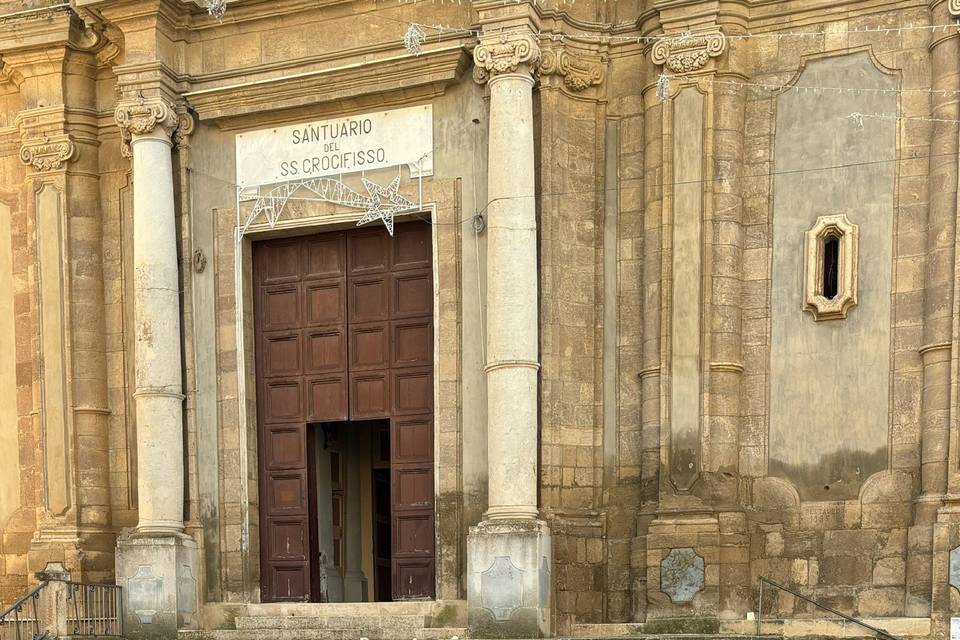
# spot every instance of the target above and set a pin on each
(350, 511)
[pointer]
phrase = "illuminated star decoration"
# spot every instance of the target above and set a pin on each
(413, 39)
(385, 202)
(217, 8)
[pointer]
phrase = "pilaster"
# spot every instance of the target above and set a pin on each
(696, 548)
(58, 136)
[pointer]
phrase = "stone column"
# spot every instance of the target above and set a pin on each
(157, 563)
(508, 556)
(936, 525)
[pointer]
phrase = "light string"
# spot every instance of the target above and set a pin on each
(678, 38)
(661, 184)
(774, 87)
(858, 117)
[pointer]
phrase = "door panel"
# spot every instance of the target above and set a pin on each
(299, 321)
(344, 331)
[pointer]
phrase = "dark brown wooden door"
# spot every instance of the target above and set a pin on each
(390, 310)
(344, 331)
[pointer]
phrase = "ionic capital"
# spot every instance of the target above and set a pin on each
(143, 116)
(688, 52)
(48, 154)
(954, 7)
(504, 53)
(578, 71)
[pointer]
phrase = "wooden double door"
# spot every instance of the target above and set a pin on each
(344, 331)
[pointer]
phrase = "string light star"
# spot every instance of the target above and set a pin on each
(385, 202)
(217, 8)
(413, 39)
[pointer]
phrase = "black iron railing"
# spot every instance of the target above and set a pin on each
(58, 608)
(94, 609)
(22, 620)
(880, 633)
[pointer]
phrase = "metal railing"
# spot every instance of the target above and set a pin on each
(94, 609)
(57, 608)
(880, 633)
(21, 620)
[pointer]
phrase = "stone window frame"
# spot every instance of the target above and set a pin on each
(848, 234)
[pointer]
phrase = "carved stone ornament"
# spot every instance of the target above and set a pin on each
(48, 154)
(501, 588)
(186, 123)
(846, 236)
(8, 74)
(682, 574)
(505, 54)
(141, 117)
(688, 52)
(578, 72)
(955, 8)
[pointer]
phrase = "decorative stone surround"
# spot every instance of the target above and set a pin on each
(505, 54)
(48, 154)
(578, 72)
(846, 298)
(688, 52)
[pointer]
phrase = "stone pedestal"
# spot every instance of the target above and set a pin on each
(159, 580)
(508, 579)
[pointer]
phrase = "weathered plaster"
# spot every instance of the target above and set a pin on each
(830, 380)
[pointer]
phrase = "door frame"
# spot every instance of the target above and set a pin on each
(445, 237)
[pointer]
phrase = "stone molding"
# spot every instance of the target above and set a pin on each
(48, 154)
(954, 7)
(578, 71)
(505, 54)
(688, 52)
(141, 117)
(835, 308)
(408, 77)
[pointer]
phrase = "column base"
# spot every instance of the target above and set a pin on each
(159, 580)
(508, 579)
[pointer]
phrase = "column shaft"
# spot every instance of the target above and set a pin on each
(159, 398)
(512, 344)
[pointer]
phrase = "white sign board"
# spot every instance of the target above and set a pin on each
(333, 147)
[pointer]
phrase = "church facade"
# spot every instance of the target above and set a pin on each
(518, 318)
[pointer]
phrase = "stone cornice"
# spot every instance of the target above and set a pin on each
(686, 53)
(48, 153)
(504, 53)
(435, 68)
(578, 71)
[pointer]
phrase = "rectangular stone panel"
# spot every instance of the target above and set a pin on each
(687, 260)
(10, 470)
(56, 430)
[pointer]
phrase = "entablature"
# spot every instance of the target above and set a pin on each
(432, 71)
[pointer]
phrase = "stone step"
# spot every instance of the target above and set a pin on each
(445, 633)
(335, 621)
(374, 609)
